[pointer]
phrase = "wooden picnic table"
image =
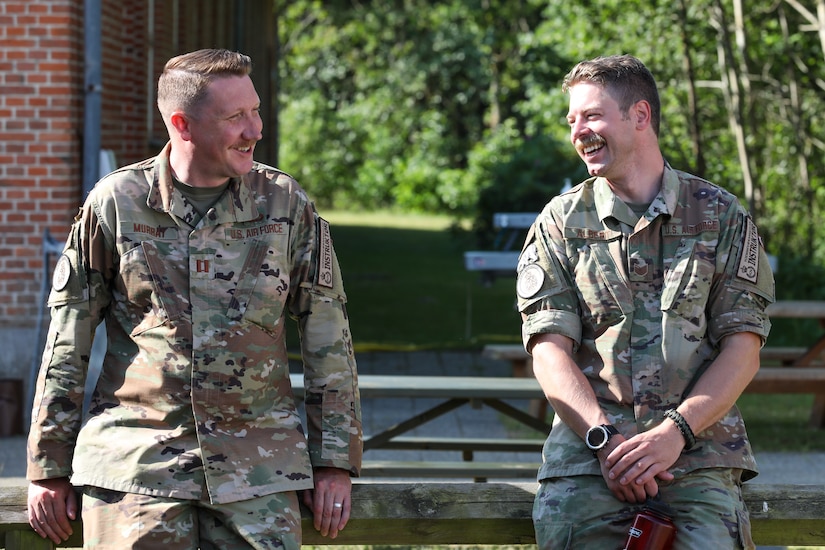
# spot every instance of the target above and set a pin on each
(811, 356)
(456, 391)
(799, 369)
(803, 309)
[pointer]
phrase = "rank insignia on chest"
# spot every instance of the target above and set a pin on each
(202, 266)
(640, 269)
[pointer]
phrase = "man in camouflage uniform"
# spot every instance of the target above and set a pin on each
(193, 259)
(643, 293)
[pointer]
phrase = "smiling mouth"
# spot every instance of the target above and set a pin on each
(590, 144)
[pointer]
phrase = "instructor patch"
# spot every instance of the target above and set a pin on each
(325, 255)
(749, 257)
(62, 273)
(530, 280)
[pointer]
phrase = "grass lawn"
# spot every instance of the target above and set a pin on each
(407, 289)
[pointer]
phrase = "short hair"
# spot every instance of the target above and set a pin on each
(625, 77)
(185, 78)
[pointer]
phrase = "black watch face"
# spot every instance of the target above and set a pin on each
(596, 437)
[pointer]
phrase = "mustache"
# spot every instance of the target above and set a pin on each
(589, 141)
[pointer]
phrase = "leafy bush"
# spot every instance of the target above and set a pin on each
(520, 175)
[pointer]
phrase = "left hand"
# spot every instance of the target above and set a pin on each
(330, 501)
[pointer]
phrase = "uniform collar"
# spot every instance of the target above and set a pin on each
(608, 204)
(236, 205)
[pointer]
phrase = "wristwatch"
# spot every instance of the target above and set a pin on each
(598, 436)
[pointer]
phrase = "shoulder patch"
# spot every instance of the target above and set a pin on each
(749, 256)
(530, 280)
(62, 273)
(324, 255)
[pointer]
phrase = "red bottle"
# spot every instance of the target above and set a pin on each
(652, 529)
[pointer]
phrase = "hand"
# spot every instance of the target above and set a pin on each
(634, 465)
(52, 503)
(330, 501)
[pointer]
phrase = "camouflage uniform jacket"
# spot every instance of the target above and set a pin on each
(194, 399)
(646, 301)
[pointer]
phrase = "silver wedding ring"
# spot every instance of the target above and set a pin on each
(338, 505)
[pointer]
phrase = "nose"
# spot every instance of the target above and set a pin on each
(254, 128)
(577, 129)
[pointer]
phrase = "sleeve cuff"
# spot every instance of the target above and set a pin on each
(556, 321)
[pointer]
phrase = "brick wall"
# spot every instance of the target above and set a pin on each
(40, 106)
(41, 123)
(41, 135)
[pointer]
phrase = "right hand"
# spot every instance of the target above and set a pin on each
(639, 463)
(52, 504)
(627, 492)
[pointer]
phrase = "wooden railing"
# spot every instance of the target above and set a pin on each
(472, 514)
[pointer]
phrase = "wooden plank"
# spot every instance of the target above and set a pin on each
(438, 513)
(464, 444)
(498, 513)
(469, 387)
(504, 261)
(505, 352)
(514, 220)
(788, 380)
(781, 354)
(26, 540)
(516, 352)
(448, 469)
(797, 309)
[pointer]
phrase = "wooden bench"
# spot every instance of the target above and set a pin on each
(502, 261)
(455, 391)
(471, 514)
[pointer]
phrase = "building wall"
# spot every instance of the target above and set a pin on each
(41, 64)
(42, 95)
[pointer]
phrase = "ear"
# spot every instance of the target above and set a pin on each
(180, 122)
(641, 114)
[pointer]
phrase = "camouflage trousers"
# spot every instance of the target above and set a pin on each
(114, 521)
(579, 512)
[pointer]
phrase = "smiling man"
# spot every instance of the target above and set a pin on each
(643, 293)
(193, 260)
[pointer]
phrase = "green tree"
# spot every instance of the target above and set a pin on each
(400, 104)
(456, 106)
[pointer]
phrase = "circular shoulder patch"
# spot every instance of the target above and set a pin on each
(530, 281)
(62, 272)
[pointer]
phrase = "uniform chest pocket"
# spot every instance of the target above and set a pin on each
(687, 282)
(263, 287)
(150, 295)
(603, 291)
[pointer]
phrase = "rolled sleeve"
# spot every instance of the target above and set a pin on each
(551, 321)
